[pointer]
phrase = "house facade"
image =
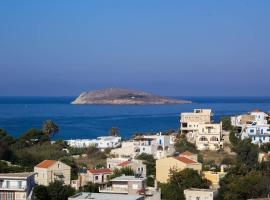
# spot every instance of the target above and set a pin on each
(52, 170)
(125, 185)
(157, 145)
(183, 161)
(254, 125)
(136, 165)
(209, 137)
(99, 176)
(17, 186)
(200, 194)
(190, 121)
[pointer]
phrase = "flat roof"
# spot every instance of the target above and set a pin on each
(201, 190)
(17, 175)
(104, 196)
(127, 178)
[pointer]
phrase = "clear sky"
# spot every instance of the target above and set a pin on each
(179, 48)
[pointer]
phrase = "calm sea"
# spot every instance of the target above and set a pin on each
(17, 114)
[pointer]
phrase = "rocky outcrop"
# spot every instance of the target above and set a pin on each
(121, 96)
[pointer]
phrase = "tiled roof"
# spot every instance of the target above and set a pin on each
(256, 110)
(46, 163)
(100, 171)
(124, 164)
(186, 153)
(185, 160)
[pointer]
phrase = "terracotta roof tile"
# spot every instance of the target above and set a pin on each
(46, 163)
(256, 110)
(124, 164)
(185, 160)
(186, 153)
(100, 171)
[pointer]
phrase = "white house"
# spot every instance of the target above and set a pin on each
(253, 125)
(17, 186)
(102, 142)
(200, 194)
(157, 145)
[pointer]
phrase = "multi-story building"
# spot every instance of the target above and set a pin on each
(52, 170)
(136, 165)
(157, 145)
(125, 185)
(254, 125)
(209, 136)
(99, 176)
(17, 186)
(183, 161)
(200, 194)
(190, 121)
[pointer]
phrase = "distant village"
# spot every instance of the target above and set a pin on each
(200, 157)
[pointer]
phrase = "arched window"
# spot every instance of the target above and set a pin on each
(213, 138)
(203, 138)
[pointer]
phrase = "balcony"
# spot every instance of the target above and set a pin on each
(12, 188)
(109, 189)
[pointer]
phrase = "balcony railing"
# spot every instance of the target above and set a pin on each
(12, 188)
(113, 190)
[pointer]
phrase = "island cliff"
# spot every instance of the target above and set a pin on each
(121, 96)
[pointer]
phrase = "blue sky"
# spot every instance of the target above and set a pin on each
(179, 48)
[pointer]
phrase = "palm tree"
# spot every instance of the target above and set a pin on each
(50, 127)
(115, 131)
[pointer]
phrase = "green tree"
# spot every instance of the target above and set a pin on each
(6, 138)
(91, 187)
(50, 128)
(5, 152)
(232, 137)
(114, 131)
(181, 180)
(242, 187)
(41, 193)
(58, 191)
(247, 153)
(226, 123)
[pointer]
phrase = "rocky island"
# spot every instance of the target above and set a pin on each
(119, 96)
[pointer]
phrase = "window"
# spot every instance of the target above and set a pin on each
(135, 186)
(1, 183)
(203, 138)
(254, 138)
(19, 184)
(58, 165)
(8, 184)
(139, 169)
(96, 178)
(263, 138)
(251, 130)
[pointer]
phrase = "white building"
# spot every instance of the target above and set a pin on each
(17, 186)
(157, 145)
(104, 196)
(102, 142)
(209, 137)
(253, 125)
(190, 121)
(200, 194)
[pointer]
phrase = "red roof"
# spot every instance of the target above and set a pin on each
(256, 110)
(186, 153)
(124, 164)
(46, 163)
(100, 171)
(185, 160)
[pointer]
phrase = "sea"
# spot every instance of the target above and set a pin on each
(18, 114)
